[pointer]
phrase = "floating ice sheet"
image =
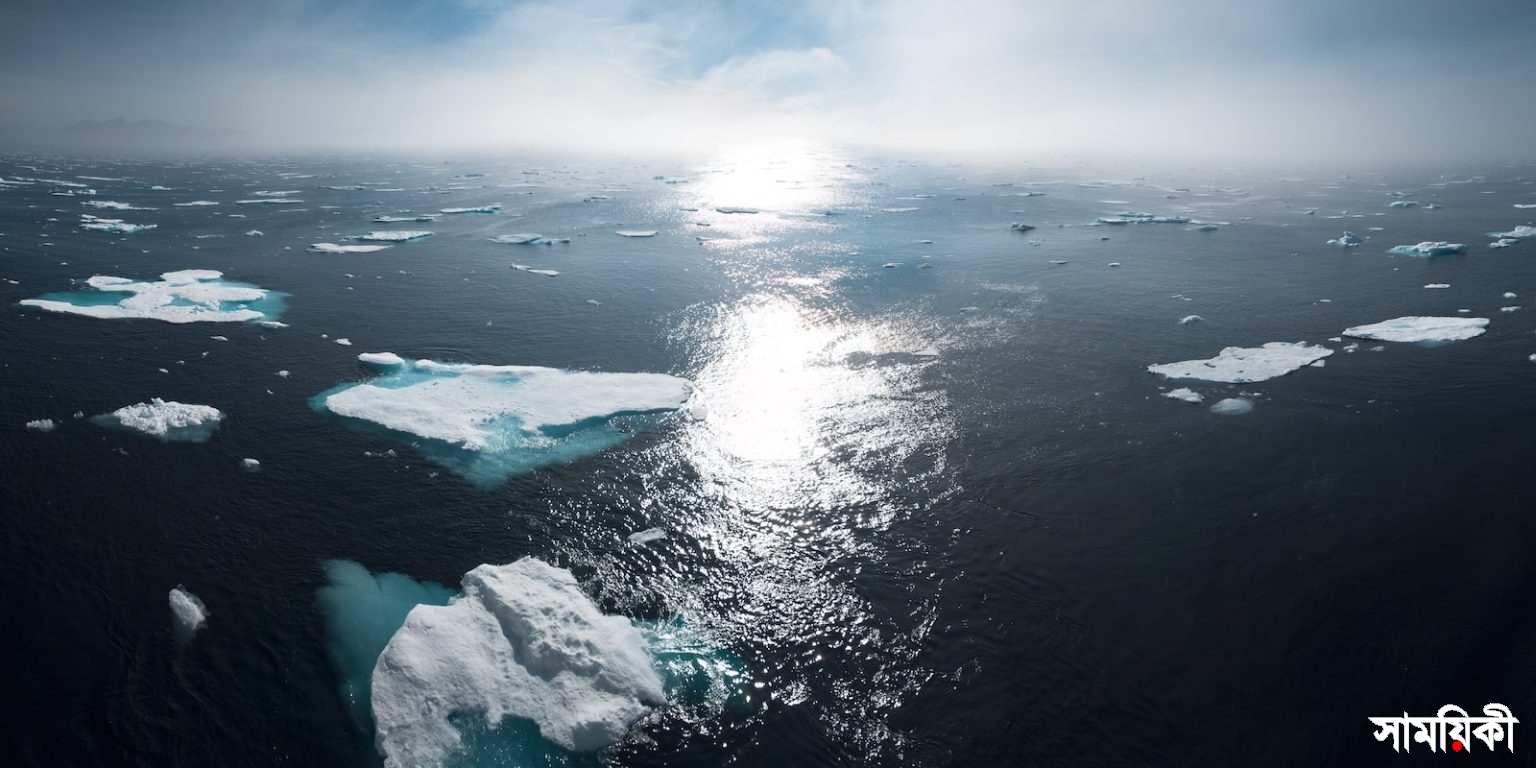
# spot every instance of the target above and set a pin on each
(166, 419)
(1419, 328)
(1346, 240)
(339, 248)
(487, 422)
(1518, 233)
(394, 236)
(1237, 365)
(492, 208)
(186, 296)
(1429, 249)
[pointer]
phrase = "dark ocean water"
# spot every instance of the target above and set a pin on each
(1014, 553)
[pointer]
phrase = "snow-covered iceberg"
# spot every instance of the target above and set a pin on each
(1239, 365)
(521, 665)
(488, 422)
(1417, 328)
(1429, 249)
(185, 296)
(394, 236)
(166, 419)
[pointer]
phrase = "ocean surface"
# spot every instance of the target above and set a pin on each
(1007, 549)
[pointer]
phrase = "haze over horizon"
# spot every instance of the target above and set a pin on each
(1304, 80)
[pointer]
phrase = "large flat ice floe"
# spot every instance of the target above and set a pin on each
(339, 248)
(1429, 249)
(166, 420)
(492, 208)
(1417, 328)
(1518, 233)
(522, 641)
(115, 226)
(487, 422)
(1240, 365)
(185, 296)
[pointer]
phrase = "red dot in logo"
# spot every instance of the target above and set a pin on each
(1456, 746)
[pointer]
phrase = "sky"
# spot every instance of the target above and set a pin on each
(1329, 80)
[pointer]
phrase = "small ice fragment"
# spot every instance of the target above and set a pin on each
(1502, 243)
(636, 233)
(1438, 285)
(532, 271)
(189, 611)
(394, 236)
(284, 374)
(1114, 263)
(254, 233)
(1517, 233)
(1509, 309)
(1509, 295)
(1191, 319)
(1402, 204)
(891, 264)
(1019, 227)
(250, 465)
(344, 342)
(1185, 394)
(492, 208)
(335, 248)
(41, 425)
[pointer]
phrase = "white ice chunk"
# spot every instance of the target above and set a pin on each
(636, 233)
(185, 296)
(1416, 328)
(250, 465)
(1438, 285)
(1185, 394)
(386, 219)
(269, 201)
(1522, 231)
(1503, 243)
(1236, 365)
(1403, 204)
(195, 204)
(492, 208)
(647, 536)
(382, 359)
(162, 418)
(189, 611)
(41, 425)
(531, 270)
(522, 641)
(1346, 240)
(394, 236)
(1191, 319)
(1429, 249)
(336, 248)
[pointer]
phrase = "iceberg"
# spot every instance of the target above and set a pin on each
(41, 425)
(1346, 240)
(1232, 406)
(519, 669)
(1403, 204)
(1020, 227)
(1522, 231)
(185, 296)
(530, 238)
(1187, 319)
(636, 233)
(488, 422)
(166, 419)
(1185, 394)
(492, 208)
(195, 204)
(521, 641)
(1438, 285)
(393, 236)
(384, 219)
(1503, 242)
(189, 611)
(336, 248)
(117, 226)
(269, 201)
(1416, 328)
(254, 233)
(1429, 249)
(250, 465)
(1240, 365)
(647, 536)
(531, 270)
(1137, 217)
(114, 205)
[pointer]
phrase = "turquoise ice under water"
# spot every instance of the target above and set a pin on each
(184, 296)
(363, 610)
(488, 423)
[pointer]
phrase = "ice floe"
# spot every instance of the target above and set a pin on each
(41, 425)
(394, 236)
(269, 201)
(1237, 365)
(1419, 328)
(116, 226)
(381, 359)
(492, 208)
(1403, 204)
(166, 419)
(385, 219)
(196, 203)
(113, 205)
(530, 238)
(250, 465)
(1346, 240)
(1185, 394)
(521, 641)
(736, 209)
(339, 248)
(1503, 242)
(636, 233)
(1429, 249)
(534, 271)
(647, 536)
(1021, 227)
(185, 296)
(1138, 217)
(1518, 233)
(1191, 319)
(487, 422)
(189, 612)
(1438, 285)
